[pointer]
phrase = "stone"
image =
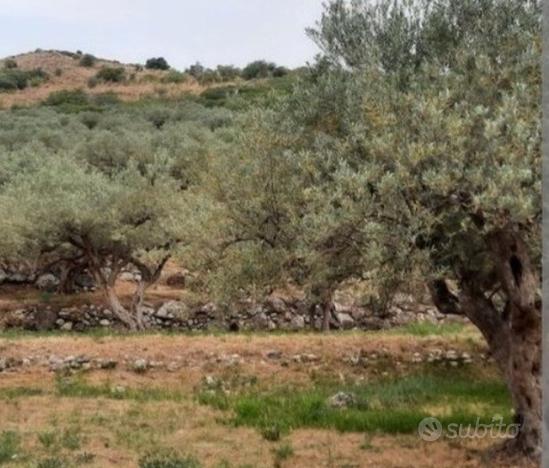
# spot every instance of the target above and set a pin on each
(345, 320)
(127, 276)
(173, 309)
(3, 275)
(140, 366)
(107, 364)
(67, 326)
(172, 367)
(104, 322)
(276, 304)
(297, 322)
(310, 358)
(342, 400)
(47, 282)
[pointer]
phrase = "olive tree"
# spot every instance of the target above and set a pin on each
(447, 132)
(106, 221)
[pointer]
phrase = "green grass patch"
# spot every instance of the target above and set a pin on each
(77, 387)
(11, 393)
(390, 405)
(428, 329)
(10, 443)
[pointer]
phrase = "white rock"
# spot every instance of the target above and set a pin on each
(47, 281)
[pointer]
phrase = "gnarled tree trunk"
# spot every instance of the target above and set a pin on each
(327, 309)
(520, 281)
(513, 334)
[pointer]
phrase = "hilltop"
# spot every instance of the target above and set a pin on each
(63, 71)
(30, 78)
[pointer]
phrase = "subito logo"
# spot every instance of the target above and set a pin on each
(429, 429)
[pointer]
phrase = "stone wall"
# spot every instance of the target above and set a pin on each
(275, 313)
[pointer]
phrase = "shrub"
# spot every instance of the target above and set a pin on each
(9, 64)
(64, 97)
(157, 63)
(87, 60)
(111, 74)
(13, 79)
(106, 99)
(228, 72)
(195, 70)
(271, 433)
(209, 76)
(280, 71)
(175, 76)
(93, 82)
(90, 119)
(58, 72)
(258, 69)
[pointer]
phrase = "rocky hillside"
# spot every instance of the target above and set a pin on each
(64, 71)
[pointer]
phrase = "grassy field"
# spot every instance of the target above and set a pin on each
(246, 400)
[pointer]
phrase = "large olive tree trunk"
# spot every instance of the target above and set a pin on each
(513, 332)
(520, 282)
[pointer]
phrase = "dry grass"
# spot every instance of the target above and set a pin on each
(73, 76)
(116, 432)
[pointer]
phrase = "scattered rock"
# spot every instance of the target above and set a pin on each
(140, 366)
(342, 400)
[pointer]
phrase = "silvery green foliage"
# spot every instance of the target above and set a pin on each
(415, 134)
(123, 184)
(447, 138)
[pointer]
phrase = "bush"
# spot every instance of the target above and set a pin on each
(9, 64)
(209, 76)
(175, 76)
(58, 72)
(75, 97)
(106, 99)
(13, 79)
(93, 82)
(87, 60)
(279, 72)
(196, 70)
(228, 72)
(90, 119)
(258, 69)
(111, 74)
(157, 63)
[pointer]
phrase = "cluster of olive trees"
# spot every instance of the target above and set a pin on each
(104, 197)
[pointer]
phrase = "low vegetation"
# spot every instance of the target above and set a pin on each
(13, 79)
